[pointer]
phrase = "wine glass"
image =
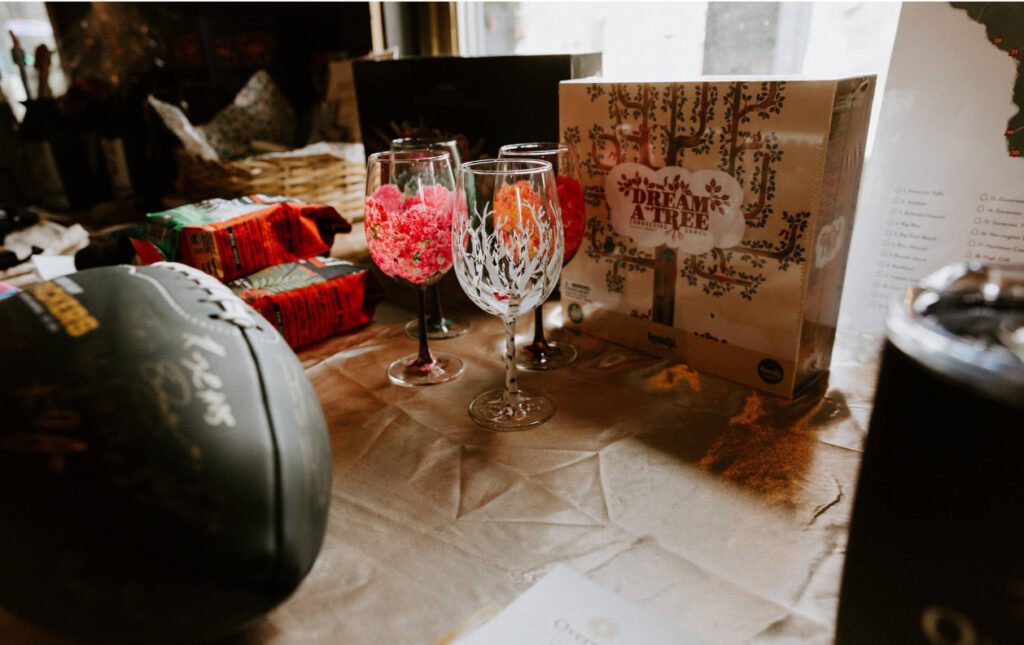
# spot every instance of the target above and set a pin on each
(507, 252)
(408, 232)
(541, 353)
(439, 326)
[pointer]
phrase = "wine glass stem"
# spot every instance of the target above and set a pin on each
(511, 394)
(538, 327)
(424, 358)
(437, 315)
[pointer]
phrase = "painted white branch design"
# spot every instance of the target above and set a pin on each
(507, 270)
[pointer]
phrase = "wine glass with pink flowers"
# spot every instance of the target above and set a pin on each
(439, 325)
(409, 198)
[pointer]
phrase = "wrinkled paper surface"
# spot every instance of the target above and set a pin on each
(714, 506)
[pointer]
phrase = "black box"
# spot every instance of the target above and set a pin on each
(484, 102)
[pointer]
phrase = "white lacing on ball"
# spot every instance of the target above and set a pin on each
(234, 311)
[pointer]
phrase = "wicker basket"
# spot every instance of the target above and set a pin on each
(314, 178)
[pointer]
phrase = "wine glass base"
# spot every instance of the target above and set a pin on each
(539, 357)
(492, 411)
(447, 328)
(409, 372)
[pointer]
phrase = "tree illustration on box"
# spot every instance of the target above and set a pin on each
(659, 127)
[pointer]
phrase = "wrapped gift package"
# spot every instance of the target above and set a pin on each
(719, 215)
(230, 239)
(310, 300)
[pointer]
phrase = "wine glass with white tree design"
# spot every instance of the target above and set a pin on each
(408, 211)
(507, 250)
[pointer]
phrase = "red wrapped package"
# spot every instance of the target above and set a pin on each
(309, 300)
(231, 239)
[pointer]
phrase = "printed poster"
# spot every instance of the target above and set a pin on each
(945, 183)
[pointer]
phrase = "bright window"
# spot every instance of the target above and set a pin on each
(30, 23)
(647, 41)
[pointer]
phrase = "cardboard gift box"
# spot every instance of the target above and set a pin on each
(483, 102)
(719, 215)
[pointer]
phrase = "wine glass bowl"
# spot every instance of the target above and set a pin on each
(408, 212)
(541, 353)
(432, 144)
(406, 235)
(507, 249)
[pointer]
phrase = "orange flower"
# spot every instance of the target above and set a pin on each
(517, 207)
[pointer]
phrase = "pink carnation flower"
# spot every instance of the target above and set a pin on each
(390, 196)
(433, 196)
(410, 238)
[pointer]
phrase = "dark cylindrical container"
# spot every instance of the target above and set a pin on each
(936, 550)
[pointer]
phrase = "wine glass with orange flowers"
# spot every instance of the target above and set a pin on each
(408, 232)
(541, 353)
(507, 253)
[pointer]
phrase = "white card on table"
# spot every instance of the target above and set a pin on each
(565, 608)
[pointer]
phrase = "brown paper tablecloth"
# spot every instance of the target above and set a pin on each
(722, 509)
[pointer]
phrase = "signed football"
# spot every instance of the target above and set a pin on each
(165, 468)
